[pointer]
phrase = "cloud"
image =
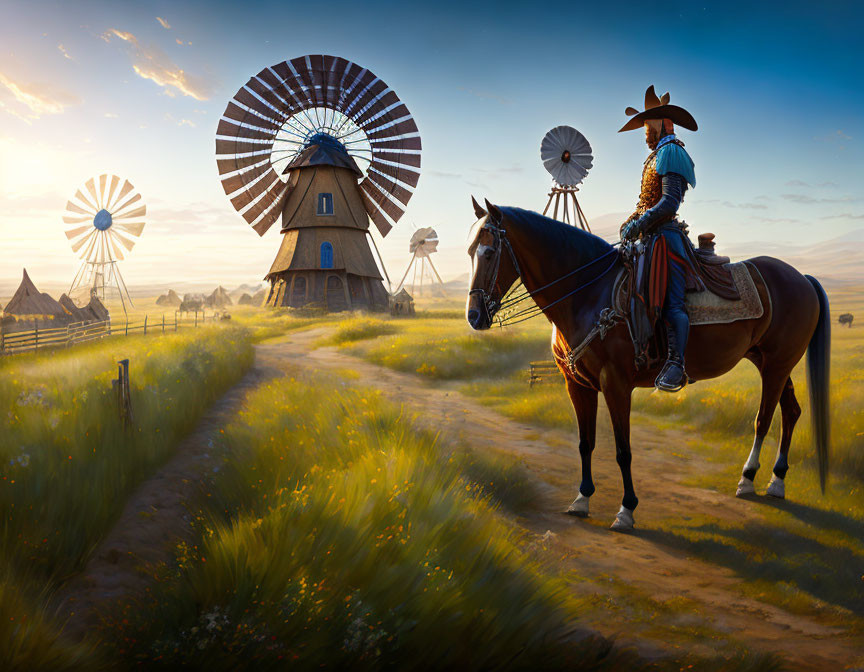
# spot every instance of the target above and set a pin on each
(844, 215)
(63, 51)
(110, 115)
(805, 199)
(151, 63)
(32, 100)
(186, 122)
(798, 184)
(441, 173)
(165, 24)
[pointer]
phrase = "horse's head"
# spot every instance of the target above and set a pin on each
(495, 266)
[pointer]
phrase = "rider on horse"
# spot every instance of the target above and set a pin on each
(667, 173)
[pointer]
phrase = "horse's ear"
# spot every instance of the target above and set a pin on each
(478, 211)
(494, 212)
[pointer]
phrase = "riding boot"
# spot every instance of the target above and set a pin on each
(673, 377)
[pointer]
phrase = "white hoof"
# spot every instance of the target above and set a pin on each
(745, 487)
(776, 488)
(579, 507)
(623, 521)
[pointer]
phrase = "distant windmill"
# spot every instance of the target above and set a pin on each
(423, 243)
(108, 217)
(566, 153)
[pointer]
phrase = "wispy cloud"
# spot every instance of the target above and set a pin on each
(63, 51)
(844, 215)
(30, 100)
(164, 23)
(799, 184)
(806, 199)
(151, 63)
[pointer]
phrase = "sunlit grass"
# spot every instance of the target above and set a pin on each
(338, 534)
(66, 462)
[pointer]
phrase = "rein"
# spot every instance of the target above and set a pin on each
(506, 311)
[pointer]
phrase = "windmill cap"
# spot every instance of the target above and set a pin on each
(323, 150)
(658, 108)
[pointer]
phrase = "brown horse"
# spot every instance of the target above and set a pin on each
(570, 273)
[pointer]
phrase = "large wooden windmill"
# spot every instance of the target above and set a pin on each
(325, 145)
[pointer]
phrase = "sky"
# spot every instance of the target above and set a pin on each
(137, 89)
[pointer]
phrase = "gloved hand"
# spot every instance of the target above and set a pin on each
(631, 229)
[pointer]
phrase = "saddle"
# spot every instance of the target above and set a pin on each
(717, 291)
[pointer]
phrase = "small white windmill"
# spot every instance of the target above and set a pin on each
(108, 219)
(423, 243)
(566, 153)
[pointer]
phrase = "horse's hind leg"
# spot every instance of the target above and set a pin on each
(772, 388)
(584, 401)
(790, 411)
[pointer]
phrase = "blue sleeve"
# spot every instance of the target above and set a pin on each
(673, 158)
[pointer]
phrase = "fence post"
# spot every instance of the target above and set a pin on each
(163, 323)
(124, 396)
(36, 331)
(127, 326)
(145, 325)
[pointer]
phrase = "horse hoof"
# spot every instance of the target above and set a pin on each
(745, 487)
(623, 521)
(776, 488)
(579, 507)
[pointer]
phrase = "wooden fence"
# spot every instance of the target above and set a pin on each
(82, 332)
(543, 372)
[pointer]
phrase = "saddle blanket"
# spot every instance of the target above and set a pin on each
(707, 308)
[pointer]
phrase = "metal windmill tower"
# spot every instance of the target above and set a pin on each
(423, 243)
(325, 145)
(107, 218)
(566, 153)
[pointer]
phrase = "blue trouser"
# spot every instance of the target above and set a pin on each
(674, 308)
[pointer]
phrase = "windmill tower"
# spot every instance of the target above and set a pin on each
(325, 145)
(423, 243)
(107, 220)
(566, 153)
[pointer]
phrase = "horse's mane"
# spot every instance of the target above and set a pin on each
(569, 241)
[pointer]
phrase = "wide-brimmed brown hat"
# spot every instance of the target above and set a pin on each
(658, 108)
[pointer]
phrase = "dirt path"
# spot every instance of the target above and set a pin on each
(156, 516)
(154, 519)
(638, 558)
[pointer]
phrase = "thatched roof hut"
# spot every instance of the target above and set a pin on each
(219, 298)
(28, 304)
(402, 303)
(169, 299)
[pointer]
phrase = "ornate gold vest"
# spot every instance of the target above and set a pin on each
(652, 186)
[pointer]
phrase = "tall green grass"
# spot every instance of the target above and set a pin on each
(447, 349)
(336, 534)
(66, 462)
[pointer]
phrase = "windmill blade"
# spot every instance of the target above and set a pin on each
(118, 209)
(103, 197)
(83, 199)
(74, 233)
(76, 220)
(132, 228)
(109, 201)
(117, 251)
(127, 187)
(91, 187)
(566, 154)
(133, 214)
(272, 117)
(79, 244)
(128, 244)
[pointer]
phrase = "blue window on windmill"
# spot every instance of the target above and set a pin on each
(326, 255)
(325, 204)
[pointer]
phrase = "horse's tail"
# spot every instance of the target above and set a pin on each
(818, 373)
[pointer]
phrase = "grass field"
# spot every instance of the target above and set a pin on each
(67, 464)
(337, 534)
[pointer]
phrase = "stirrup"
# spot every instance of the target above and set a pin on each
(663, 382)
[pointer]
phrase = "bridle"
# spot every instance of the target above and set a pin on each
(492, 305)
(500, 241)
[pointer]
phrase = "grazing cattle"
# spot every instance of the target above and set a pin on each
(846, 318)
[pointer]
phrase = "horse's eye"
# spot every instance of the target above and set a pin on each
(488, 253)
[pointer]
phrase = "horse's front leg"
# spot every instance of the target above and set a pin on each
(584, 401)
(617, 397)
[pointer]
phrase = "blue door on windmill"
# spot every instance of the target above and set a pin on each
(326, 255)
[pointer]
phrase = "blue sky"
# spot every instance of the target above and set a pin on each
(92, 87)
